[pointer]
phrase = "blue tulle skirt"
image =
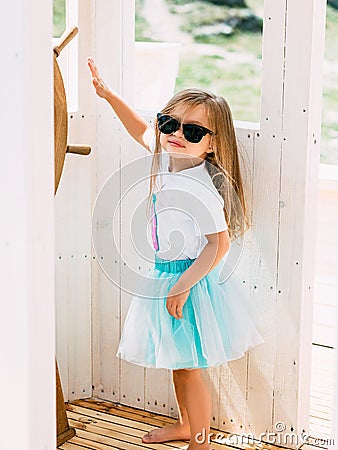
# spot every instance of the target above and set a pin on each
(218, 323)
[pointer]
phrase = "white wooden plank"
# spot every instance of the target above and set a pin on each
(106, 40)
(298, 194)
(132, 381)
(326, 294)
(132, 376)
(323, 335)
(27, 227)
(324, 315)
(212, 378)
(233, 378)
(265, 218)
(334, 435)
(106, 322)
(115, 25)
(73, 223)
(61, 283)
(173, 411)
(74, 291)
(107, 265)
(158, 382)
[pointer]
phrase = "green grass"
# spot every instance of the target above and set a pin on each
(141, 26)
(329, 139)
(331, 34)
(238, 82)
(237, 43)
(59, 17)
(240, 85)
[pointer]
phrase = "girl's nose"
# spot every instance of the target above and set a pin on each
(179, 132)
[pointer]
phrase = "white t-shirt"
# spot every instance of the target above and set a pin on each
(186, 207)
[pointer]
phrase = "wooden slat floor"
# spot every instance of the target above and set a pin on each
(103, 425)
(322, 391)
(325, 314)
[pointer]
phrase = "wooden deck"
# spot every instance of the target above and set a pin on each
(322, 391)
(325, 305)
(103, 425)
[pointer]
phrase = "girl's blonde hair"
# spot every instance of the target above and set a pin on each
(222, 164)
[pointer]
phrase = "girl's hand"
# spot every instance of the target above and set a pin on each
(101, 89)
(175, 301)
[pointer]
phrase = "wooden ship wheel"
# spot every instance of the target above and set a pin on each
(64, 431)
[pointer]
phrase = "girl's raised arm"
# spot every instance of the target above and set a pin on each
(136, 126)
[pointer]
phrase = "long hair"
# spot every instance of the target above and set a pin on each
(222, 164)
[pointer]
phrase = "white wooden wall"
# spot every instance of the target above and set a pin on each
(27, 330)
(271, 383)
(73, 203)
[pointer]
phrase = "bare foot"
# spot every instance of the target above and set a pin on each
(176, 432)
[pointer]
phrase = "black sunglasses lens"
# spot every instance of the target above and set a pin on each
(167, 124)
(193, 133)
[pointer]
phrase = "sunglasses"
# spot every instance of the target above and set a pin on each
(192, 132)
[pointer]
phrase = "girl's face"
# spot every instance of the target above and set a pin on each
(176, 144)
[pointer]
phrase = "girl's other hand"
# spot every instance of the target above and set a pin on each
(176, 301)
(100, 87)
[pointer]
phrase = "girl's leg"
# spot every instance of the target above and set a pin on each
(179, 430)
(198, 405)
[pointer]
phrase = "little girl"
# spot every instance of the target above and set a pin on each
(192, 321)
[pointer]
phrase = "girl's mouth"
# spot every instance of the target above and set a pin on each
(175, 144)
